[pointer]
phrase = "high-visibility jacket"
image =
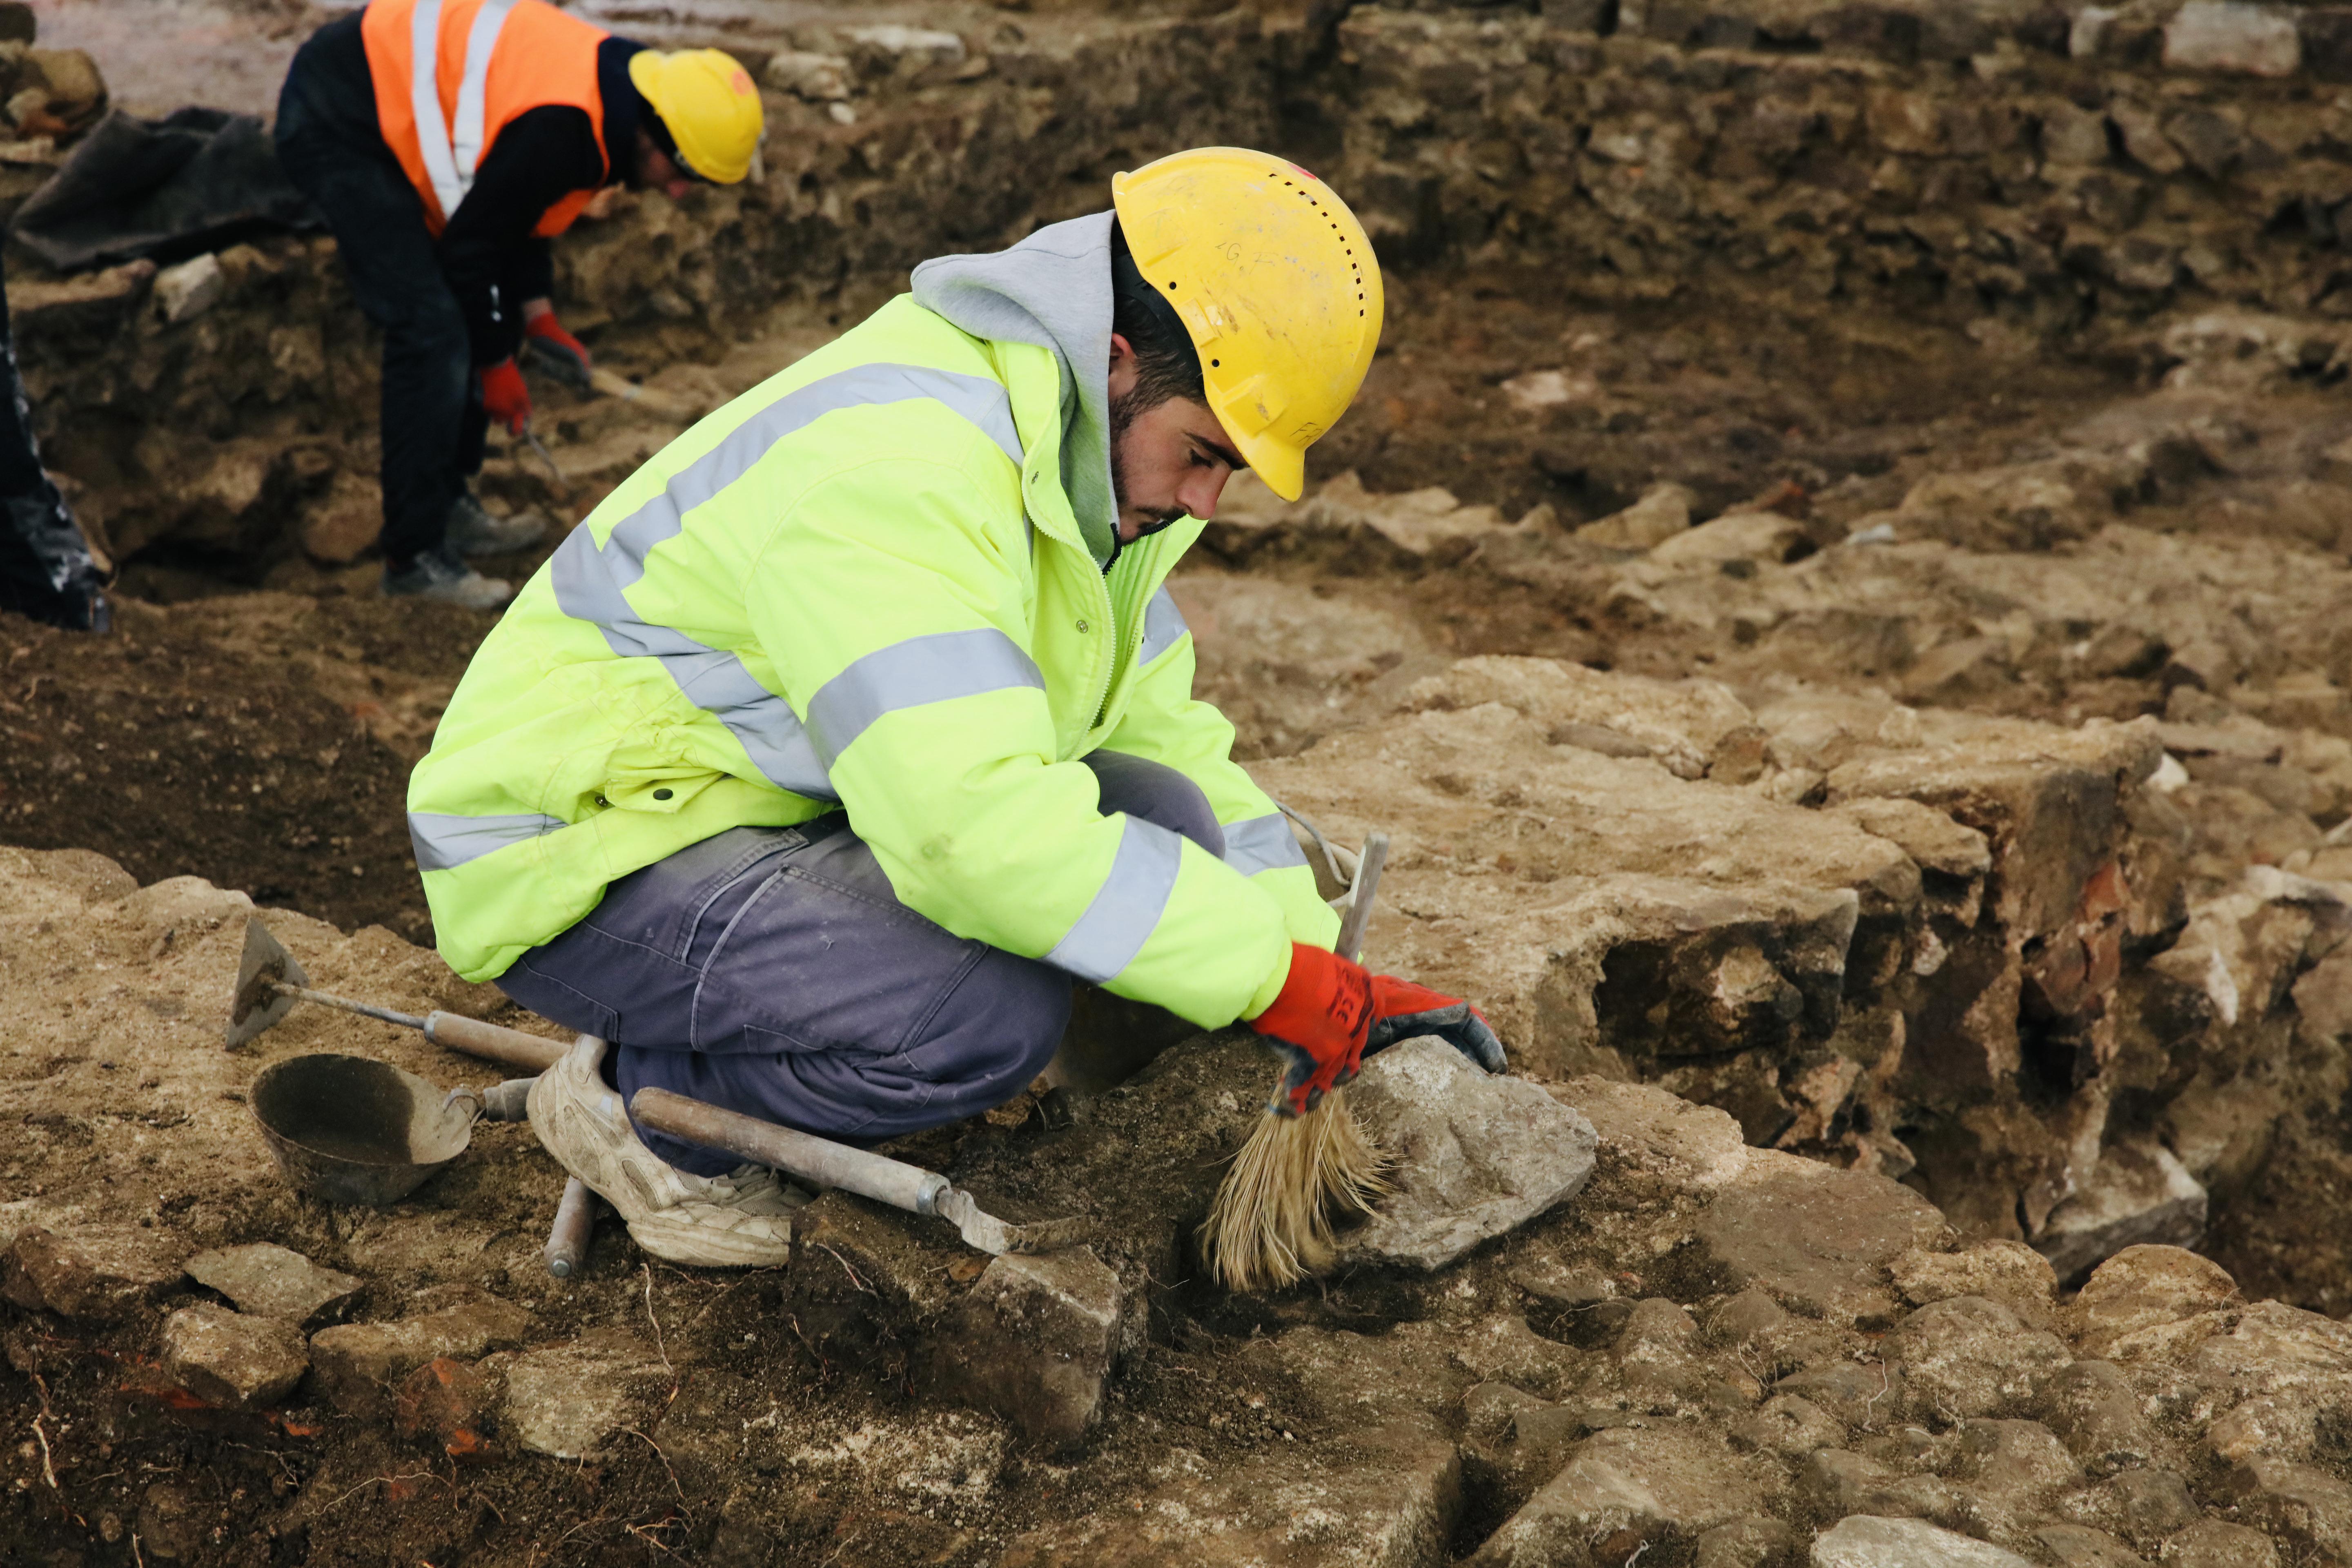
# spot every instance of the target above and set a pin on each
(860, 583)
(489, 60)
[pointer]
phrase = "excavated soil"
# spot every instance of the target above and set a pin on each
(1836, 584)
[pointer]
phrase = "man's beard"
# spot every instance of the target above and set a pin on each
(1124, 412)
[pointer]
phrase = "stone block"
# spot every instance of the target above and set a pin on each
(2008, 1273)
(358, 1363)
(1626, 1488)
(1818, 1240)
(2142, 1289)
(2300, 1505)
(2097, 1414)
(188, 291)
(1865, 1542)
(1789, 1425)
(1971, 1357)
(98, 1274)
(1383, 1498)
(1471, 1156)
(232, 1360)
(1835, 1483)
(2224, 35)
(271, 1281)
(2213, 1543)
(1033, 1341)
(2079, 1546)
(1664, 511)
(818, 78)
(569, 1401)
(1695, 728)
(2139, 1194)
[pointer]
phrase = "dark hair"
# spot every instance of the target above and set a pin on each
(1166, 364)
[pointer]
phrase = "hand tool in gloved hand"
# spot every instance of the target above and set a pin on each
(822, 1162)
(555, 471)
(597, 379)
(269, 982)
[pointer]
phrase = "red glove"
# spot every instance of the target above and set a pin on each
(505, 396)
(562, 355)
(1332, 1013)
(1319, 1023)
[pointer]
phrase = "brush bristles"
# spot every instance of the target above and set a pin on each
(1270, 1226)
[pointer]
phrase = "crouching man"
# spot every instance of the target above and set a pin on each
(825, 753)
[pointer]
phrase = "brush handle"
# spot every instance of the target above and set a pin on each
(1359, 900)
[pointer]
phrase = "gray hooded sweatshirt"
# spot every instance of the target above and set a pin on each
(1052, 290)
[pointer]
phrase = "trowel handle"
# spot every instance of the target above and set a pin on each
(493, 1042)
(819, 1161)
(574, 1228)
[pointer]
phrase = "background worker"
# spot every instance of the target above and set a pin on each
(443, 181)
(846, 732)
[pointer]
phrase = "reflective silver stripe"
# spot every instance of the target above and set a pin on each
(1128, 908)
(1163, 623)
(591, 580)
(910, 674)
(425, 104)
(443, 842)
(1262, 844)
(473, 91)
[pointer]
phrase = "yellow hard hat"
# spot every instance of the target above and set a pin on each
(1276, 284)
(709, 104)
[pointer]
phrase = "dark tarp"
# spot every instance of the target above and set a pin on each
(171, 188)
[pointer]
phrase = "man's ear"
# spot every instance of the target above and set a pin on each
(1122, 366)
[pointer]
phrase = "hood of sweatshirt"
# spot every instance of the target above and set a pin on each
(1053, 291)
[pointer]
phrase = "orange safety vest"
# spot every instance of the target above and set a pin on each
(492, 61)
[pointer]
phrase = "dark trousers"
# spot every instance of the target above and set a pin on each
(433, 419)
(772, 971)
(46, 570)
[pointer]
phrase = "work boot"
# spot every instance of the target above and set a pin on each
(439, 575)
(742, 1220)
(472, 531)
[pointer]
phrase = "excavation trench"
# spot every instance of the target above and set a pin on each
(1834, 584)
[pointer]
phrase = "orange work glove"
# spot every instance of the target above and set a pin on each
(505, 396)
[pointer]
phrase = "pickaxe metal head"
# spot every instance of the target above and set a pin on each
(257, 1004)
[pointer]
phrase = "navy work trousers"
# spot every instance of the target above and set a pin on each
(772, 971)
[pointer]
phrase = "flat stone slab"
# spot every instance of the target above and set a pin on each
(1867, 1540)
(232, 1360)
(273, 1282)
(569, 1401)
(359, 1362)
(98, 1274)
(1473, 1156)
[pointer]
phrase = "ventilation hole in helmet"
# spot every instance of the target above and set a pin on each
(1215, 363)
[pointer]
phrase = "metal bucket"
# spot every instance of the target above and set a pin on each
(352, 1130)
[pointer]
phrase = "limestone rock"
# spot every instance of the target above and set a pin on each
(1789, 1426)
(2093, 1406)
(2008, 1273)
(1969, 1356)
(358, 1363)
(818, 78)
(2228, 36)
(1818, 1240)
(271, 1281)
(1837, 1483)
(1033, 1340)
(2141, 1291)
(1863, 1541)
(2079, 1546)
(1471, 1156)
(184, 292)
(232, 1360)
(2140, 1193)
(1696, 729)
(99, 1274)
(1663, 1485)
(2211, 1543)
(1662, 512)
(569, 1401)
(1387, 1497)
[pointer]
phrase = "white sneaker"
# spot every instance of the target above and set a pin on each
(742, 1220)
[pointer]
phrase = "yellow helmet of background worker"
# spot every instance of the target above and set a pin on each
(710, 105)
(1276, 284)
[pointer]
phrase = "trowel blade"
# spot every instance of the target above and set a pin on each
(996, 1236)
(256, 1003)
